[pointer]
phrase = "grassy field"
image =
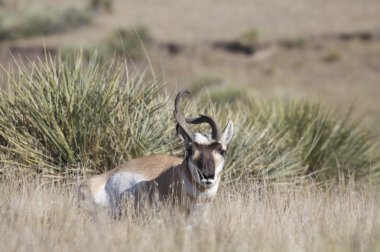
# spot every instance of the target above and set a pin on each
(251, 217)
(298, 177)
(303, 168)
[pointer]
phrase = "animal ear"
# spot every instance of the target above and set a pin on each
(228, 132)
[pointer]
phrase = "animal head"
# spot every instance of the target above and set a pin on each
(205, 154)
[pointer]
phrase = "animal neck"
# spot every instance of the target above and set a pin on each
(187, 192)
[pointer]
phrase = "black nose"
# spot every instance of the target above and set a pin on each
(209, 175)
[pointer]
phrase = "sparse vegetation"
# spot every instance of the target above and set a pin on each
(332, 56)
(120, 44)
(205, 82)
(250, 37)
(299, 42)
(127, 42)
(101, 4)
(18, 24)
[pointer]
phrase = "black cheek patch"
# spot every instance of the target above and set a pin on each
(199, 163)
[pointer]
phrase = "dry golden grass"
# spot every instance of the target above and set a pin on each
(36, 217)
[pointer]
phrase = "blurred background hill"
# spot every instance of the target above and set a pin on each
(328, 50)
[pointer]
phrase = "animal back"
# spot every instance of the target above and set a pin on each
(149, 167)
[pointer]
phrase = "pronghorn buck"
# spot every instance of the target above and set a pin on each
(190, 183)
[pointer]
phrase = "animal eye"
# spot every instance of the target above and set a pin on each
(222, 152)
(189, 151)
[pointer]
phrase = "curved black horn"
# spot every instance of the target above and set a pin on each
(216, 133)
(179, 116)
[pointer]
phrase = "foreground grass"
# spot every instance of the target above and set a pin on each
(34, 217)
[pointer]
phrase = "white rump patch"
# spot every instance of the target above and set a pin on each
(121, 182)
(101, 197)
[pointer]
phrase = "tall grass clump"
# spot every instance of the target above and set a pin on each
(324, 146)
(68, 116)
(335, 147)
(64, 113)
